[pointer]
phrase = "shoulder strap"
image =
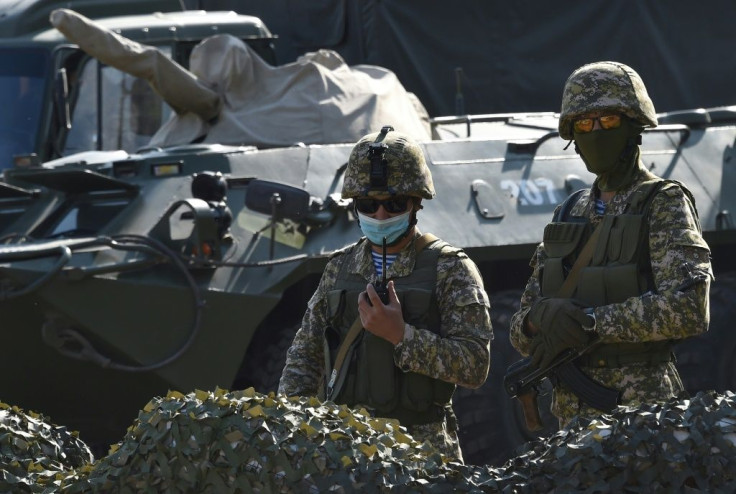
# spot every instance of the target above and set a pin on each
(568, 286)
(336, 377)
(639, 200)
(660, 185)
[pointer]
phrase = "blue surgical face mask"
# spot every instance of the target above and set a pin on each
(391, 228)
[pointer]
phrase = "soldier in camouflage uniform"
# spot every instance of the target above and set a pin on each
(434, 331)
(647, 282)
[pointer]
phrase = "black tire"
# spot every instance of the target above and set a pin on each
(492, 424)
(705, 362)
(265, 359)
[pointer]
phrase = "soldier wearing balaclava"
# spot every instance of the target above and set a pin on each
(623, 270)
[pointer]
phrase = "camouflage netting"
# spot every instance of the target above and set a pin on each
(679, 446)
(248, 442)
(32, 450)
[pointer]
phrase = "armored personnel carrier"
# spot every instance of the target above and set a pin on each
(138, 266)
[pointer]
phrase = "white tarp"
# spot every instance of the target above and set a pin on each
(318, 99)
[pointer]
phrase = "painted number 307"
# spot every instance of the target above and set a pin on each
(535, 192)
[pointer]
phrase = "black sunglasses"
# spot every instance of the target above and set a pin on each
(393, 205)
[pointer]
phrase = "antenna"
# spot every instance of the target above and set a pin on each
(459, 98)
(382, 288)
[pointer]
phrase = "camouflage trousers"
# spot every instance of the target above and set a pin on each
(439, 435)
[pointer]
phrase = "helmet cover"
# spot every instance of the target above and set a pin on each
(387, 162)
(603, 86)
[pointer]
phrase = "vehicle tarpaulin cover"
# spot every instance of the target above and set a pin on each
(231, 96)
(316, 99)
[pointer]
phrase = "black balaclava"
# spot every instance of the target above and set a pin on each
(611, 154)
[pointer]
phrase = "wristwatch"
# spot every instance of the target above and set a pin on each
(591, 315)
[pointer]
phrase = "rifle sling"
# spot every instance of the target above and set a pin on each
(569, 285)
(353, 332)
(336, 377)
(579, 383)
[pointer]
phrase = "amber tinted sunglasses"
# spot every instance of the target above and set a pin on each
(585, 125)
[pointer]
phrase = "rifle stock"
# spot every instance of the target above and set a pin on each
(521, 381)
(528, 401)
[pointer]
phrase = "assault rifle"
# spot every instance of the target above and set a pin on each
(522, 380)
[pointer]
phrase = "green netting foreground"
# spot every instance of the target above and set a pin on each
(246, 442)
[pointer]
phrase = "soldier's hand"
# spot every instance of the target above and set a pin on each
(559, 324)
(554, 314)
(384, 321)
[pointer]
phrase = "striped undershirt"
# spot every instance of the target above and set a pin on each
(600, 207)
(378, 261)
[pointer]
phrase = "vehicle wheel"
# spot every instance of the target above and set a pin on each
(491, 424)
(265, 359)
(705, 362)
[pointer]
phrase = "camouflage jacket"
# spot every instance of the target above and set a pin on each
(661, 314)
(460, 356)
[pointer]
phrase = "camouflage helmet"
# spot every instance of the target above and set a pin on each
(605, 86)
(387, 162)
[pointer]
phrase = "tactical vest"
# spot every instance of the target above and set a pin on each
(372, 377)
(619, 269)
